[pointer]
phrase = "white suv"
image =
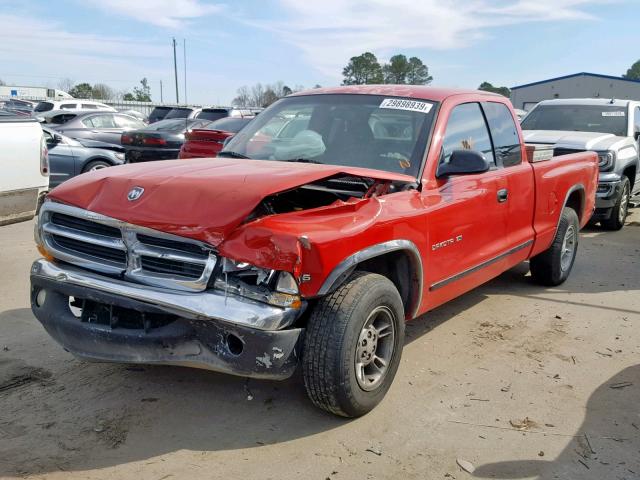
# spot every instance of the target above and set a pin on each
(70, 104)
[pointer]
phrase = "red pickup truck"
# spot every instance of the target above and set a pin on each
(311, 248)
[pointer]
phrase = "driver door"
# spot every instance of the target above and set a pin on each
(467, 216)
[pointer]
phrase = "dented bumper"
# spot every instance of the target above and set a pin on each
(162, 336)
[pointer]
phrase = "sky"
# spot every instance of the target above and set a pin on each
(308, 42)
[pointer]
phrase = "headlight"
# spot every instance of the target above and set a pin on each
(286, 283)
(606, 160)
(263, 285)
(120, 155)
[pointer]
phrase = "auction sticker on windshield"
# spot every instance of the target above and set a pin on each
(613, 114)
(411, 105)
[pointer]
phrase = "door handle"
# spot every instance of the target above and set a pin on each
(503, 195)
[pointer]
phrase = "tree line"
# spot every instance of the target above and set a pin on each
(101, 91)
(366, 69)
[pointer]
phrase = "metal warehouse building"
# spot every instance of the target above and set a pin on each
(578, 85)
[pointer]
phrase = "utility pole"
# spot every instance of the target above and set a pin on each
(175, 70)
(184, 46)
(161, 100)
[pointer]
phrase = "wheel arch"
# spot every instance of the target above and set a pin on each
(575, 199)
(97, 158)
(630, 172)
(391, 259)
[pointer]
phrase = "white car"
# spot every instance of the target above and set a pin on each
(24, 163)
(70, 104)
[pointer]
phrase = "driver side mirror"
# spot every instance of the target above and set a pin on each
(463, 162)
(636, 133)
(57, 138)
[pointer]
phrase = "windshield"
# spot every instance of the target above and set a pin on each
(232, 125)
(368, 131)
(578, 118)
(213, 113)
(43, 107)
(178, 113)
(172, 125)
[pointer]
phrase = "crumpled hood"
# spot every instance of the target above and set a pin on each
(575, 140)
(204, 199)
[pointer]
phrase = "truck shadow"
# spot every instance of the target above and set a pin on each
(605, 446)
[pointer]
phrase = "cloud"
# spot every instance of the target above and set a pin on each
(330, 32)
(163, 13)
(37, 49)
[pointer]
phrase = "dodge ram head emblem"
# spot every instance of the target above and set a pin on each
(135, 193)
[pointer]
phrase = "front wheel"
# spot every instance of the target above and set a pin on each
(95, 165)
(621, 208)
(353, 345)
(553, 266)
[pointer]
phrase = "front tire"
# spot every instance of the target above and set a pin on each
(553, 266)
(621, 208)
(353, 345)
(95, 165)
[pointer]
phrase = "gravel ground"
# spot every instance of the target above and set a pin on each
(512, 379)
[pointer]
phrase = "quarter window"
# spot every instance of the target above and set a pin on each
(68, 106)
(127, 122)
(466, 130)
(99, 121)
(504, 134)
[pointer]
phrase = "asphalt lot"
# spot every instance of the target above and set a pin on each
(519, 380)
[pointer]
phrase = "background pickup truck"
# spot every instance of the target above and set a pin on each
(25, 168)
(312, 248)
(611, 128)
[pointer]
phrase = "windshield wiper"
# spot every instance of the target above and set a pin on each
(229, 153)
(302, 160)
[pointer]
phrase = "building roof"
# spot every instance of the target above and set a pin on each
(580, 74)
(412, 91)
(612, 102)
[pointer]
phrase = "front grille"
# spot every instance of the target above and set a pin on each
(174, 245)
(171, 267)
(85, 225)
(110, 246)
(92, 250)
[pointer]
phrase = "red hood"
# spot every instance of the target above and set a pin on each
(204, 199)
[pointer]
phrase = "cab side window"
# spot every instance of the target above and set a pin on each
(636, 123)
(504, 134)
(466, 130)
(99, 121)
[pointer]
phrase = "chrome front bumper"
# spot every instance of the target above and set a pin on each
(209, 304)
(204, 330)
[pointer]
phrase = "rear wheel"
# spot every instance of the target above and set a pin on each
(95, 165)
(621, 208)
(553, 266)
(353, 345)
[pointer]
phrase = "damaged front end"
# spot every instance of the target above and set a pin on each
(111, 291)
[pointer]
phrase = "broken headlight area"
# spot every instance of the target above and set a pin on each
(264, 285)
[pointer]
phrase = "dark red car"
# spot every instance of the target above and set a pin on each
(209, 140)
